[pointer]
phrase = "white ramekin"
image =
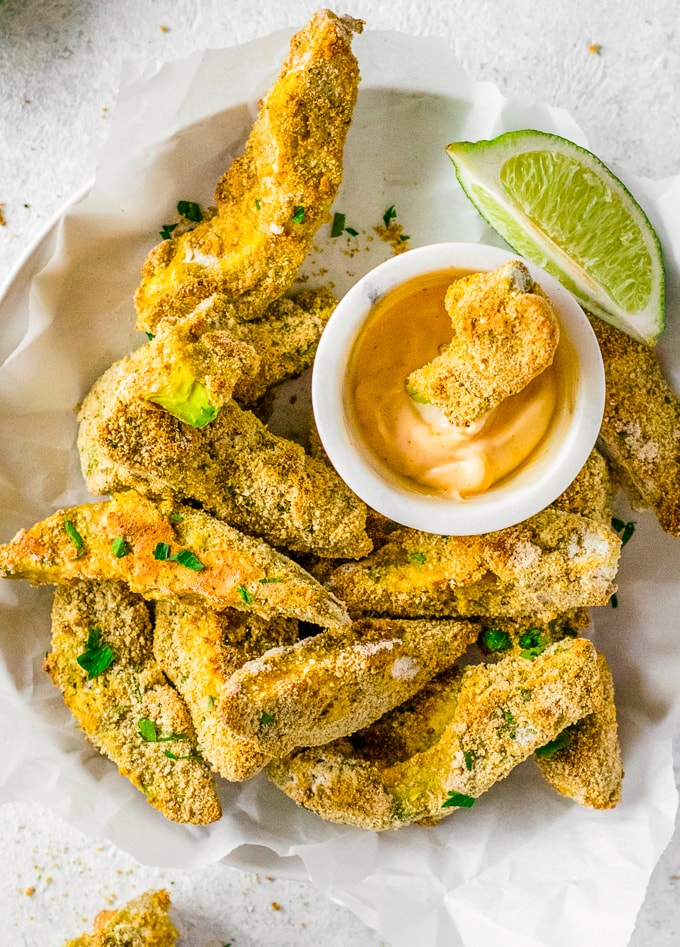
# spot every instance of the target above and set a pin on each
(553, 466)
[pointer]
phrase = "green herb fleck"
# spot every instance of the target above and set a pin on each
(120, 548)
(97, 656)
(338, 225)
(415, 396)
(495, 639)
(149, 732)
(417, 557)
(614, 601)
(351, 231)
(189, 756)
(75, 538)
(389, 215)
(298, 214)
(162, 551)
(625, 529)
(176, 518)
(458, 799)
(190, 211)
(150, 336)
(561, 741)
(186, 558)
(258, 203)
(468, 759)
(271, 578)
(245, 594)
(533, 642)
(266, 720)
(404, 237)
(210, 701)
(166, 233)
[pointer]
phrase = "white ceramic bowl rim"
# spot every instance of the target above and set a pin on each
(495, 509)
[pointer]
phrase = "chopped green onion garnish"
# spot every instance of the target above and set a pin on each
(266, 720)
(75, 538)
(176, 518)
(272, 578)
(403, 237)
(149, 732)
(351, 231)
(189, 210)
(614, 601)
(119, 547)
(417, 557)
(338, 225)
(258, 203)
(458, 799)
(298, 214)
(468, 759)
(162, 551)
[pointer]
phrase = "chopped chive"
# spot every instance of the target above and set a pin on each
(468, 759)
(189, 756)
(176, 518)
(614, 601)
(298, 214)
(245, 594)
(266, 720)
(458, 799)
(258, 203)
(189, 210)
(150, 336)
(162, 551)
(403, 237)
(119, 547)
(273, 578)
(338, 225)
(75, 538)
(351, 231)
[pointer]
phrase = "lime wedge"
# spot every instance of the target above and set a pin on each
(558, 205)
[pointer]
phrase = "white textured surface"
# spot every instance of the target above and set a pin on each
(59, 67)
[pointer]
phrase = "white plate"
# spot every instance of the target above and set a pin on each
(482, 875)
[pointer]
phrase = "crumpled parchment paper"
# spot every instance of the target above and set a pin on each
(524, 868)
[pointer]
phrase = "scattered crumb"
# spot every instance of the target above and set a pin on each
(276, 906)
(27, 101)
(3, 222)
(393, 235)
(594, 48)
(165, 29)
(29, 891)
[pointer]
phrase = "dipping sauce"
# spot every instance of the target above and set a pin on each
(415, 442)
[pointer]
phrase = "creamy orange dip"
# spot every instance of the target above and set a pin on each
(406, 329)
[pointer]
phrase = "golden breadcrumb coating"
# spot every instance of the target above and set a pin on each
(470, 729)
(640, 430)
(199, 650)
(337, 682)
(215, 348)
(276, 195)
(142, 922)
(590, 493)
(589, 768)
(217, 565)
(505, 333)
(132, 688)
(241, 473)
(546, 565)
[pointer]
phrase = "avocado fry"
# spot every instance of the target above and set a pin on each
(450, 743)
(142, 922)
(199, 650)
(275, 196)
(165, 549)
(102, 661)
(336, 682)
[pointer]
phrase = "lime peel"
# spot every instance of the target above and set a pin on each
(559, 206)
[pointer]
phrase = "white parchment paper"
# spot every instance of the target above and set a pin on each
(524, 868)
